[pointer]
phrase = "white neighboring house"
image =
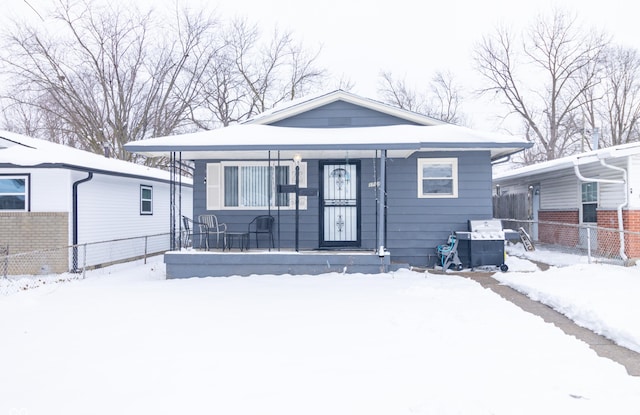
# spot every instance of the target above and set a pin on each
(599, 188)
(53, 196)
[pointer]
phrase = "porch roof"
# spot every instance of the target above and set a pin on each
(251, 141)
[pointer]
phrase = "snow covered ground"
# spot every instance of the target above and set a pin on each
(602, 298)
(127, 341)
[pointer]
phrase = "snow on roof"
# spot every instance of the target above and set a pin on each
(623, 150)
(234, 140)
(24, 151)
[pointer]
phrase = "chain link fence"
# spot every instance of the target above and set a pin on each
(600, 245)
(25, 270)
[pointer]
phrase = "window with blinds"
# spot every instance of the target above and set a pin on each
(249, 185)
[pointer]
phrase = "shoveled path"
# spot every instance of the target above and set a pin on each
(601, 345)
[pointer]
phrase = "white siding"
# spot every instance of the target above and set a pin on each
(634, 182)
(559, 192)
(49, 189)
(109, 207)
(610, 195)
(562, 190)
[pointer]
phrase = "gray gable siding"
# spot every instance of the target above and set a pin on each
(415, 226)
(341, 114)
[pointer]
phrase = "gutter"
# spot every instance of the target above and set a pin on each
(624, 181)
(75, 219)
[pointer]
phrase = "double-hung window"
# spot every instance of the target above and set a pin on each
(146, 200)
(249, 185)
(14, 191)
(589, 202)
(437, 177)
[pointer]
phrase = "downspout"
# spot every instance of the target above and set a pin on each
(576, 168)
(382, 191)
(75, 219)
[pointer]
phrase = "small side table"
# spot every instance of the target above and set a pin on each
(232, 238)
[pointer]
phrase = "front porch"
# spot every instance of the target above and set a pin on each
(196, 263)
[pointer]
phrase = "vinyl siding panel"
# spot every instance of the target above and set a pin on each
(634, 181)
(340, 114)
(109, 208)
(50, 189)
(417, 225)
(559, 192)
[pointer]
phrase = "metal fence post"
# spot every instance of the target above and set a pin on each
(589, 244)
(84, 261)
(145, 248)
(5, 252)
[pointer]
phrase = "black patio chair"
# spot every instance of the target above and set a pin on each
(262, 225)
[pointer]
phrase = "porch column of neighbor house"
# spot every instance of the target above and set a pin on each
(382, 191)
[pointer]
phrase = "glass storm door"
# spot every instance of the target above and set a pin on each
(340, 205)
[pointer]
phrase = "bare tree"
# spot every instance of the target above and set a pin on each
(543, 80)
(441, 101)
(273, 71)
(620, 103)
(100, 75)
(344, 83)
(446, 97)
(107, 74)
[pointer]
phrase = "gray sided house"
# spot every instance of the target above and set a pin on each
(599, 189)
(54, 196)
(377, 182)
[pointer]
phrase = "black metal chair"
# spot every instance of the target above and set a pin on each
(262, 225)
(190, 227)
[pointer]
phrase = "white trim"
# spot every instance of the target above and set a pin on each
(143, 199)
(26, 178)
(581, 203)
(454, 172)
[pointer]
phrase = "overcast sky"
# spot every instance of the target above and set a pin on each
(410, 38)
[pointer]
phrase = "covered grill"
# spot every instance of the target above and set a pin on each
(483, 244)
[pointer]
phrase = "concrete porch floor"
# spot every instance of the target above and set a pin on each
(195, 263)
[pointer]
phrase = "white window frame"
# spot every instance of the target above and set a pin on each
(215, 184)
(591, 202)
(454, 171)
(144, 187)
(26, 193)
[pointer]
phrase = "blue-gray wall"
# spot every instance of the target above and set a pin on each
(341, 114)
(415, 226)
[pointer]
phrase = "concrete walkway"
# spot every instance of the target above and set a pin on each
(601, 345)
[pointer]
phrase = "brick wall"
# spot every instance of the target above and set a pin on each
(558, 235)
(609, 219)
(36, 231)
